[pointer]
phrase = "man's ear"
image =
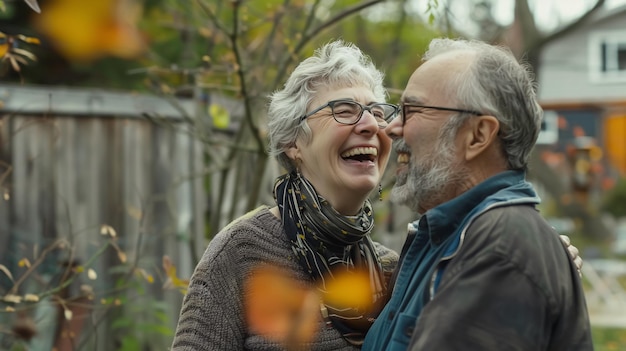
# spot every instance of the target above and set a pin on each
(482, 134)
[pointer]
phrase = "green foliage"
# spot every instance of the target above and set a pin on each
(141, 320)
(609, 339)
(614, 201)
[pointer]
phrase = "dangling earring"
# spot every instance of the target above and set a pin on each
(380, 192)
(298, 163)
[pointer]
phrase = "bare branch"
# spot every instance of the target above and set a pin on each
(309, 35)
(213, 17)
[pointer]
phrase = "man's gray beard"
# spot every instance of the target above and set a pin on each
(426, 181)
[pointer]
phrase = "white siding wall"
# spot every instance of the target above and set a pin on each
(564, 74)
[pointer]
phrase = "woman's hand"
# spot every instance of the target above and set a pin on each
(573, 252)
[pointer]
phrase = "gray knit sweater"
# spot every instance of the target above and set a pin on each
(212, 316)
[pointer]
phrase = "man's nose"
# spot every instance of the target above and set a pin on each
(394, 129)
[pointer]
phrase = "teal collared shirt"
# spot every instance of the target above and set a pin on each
(435, 239)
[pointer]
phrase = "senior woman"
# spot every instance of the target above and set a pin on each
(326, 128)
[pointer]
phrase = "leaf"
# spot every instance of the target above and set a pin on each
(33, 5)
(3, 6)
(280, 308)
(87, 30)
(4, 44)
(349, 289)
(91, 274)
(12, 298)
(172, 278)
(220, 115)
(7, 272)
(31, 298)
(106, 229)
(24, 262)
(68, 314)
(29, 40)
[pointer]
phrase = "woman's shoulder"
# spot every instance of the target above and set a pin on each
(388, 257)
(256, 224)
(257, 235)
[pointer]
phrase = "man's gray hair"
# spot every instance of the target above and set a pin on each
(337, 64)
(496, 83)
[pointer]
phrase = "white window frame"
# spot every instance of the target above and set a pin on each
(615, 41)
(549, 133)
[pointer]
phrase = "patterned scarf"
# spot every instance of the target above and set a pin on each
(325, 242)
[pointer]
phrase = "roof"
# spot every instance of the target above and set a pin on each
(45, 100)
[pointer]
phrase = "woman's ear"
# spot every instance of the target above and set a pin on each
(293, 152)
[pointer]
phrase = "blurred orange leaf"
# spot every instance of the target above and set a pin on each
(86, 30)
(280, 308)
(349, 289)
(289, 312)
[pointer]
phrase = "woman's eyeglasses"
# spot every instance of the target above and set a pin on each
(350, 112)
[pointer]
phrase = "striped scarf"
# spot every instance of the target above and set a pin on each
(324, 241)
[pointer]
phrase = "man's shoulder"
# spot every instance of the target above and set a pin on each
(518, 227)
(521, 237)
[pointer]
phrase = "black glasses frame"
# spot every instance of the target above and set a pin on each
(403, 111)
(369, 108)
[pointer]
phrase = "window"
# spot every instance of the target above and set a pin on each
(607, 60)
(549, 133)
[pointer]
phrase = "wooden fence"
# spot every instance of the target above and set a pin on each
(74, 165)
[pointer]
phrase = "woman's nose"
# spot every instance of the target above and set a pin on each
(368, 122)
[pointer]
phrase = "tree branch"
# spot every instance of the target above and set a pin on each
(309, 35)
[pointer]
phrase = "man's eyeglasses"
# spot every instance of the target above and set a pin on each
(408, 108)
(350, 112)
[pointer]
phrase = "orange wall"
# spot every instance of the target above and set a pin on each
(615, 141)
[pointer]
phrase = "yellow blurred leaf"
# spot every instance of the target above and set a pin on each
(349, 289)
(4, 44)
(142, 272)
(86, 30)
(172, 278)
(220, 115)
(24, 262)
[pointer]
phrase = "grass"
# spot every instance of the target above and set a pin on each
(608, 339)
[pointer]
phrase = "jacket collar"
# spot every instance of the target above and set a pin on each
(442, 221)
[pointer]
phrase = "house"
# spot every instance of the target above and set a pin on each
(582, 88)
